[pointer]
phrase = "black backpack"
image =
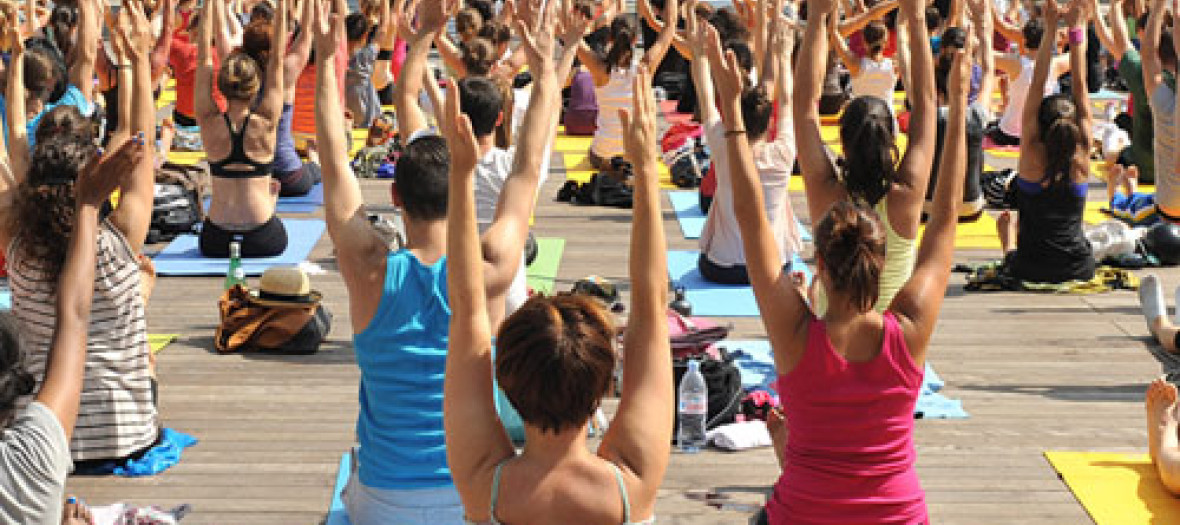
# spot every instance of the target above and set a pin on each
(177, 208)
(725, 388)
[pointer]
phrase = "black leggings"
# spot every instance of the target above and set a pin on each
(1000, 138)
(735, 274)
(299, 182)
(267, 240)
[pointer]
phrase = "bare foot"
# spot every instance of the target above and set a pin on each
(1131, 180)
(1160, 403)
(1114, 180)
(76, 513)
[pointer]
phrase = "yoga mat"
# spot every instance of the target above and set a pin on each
(336, 513)
(687, 206)
(542, 274)
(755, 360)
(5, 299)
(186, 158)
(978, 235)
(160, 341)
(1116, 488)
(182, 257)
(711, 299)
(571, 144)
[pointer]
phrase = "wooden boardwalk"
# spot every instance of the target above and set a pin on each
(1036, 372)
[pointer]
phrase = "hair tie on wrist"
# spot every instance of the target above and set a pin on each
(735, 132)
(1077, 35)
(385, 54)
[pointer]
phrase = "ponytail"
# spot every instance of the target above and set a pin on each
(1061, 136)
(850, 240)
(622, 43)
(870, 153)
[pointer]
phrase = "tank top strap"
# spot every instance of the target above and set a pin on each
(622, 493)
(496, 488)
(894, 345)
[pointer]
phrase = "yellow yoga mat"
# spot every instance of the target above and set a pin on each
(567, 144)
(978, 235)
(1116, 488)
(186, 158)
(159, 341)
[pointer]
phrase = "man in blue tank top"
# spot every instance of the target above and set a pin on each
(398, 300)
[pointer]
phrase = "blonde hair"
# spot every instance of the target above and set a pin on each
(239, 78)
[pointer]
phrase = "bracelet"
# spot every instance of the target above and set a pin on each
(385, 54)
(735, 132)
(1077, 35)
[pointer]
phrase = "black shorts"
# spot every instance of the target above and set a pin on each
(267, 240)
(1000, 138)
(716, 273)
(299, 182)
(183, 120)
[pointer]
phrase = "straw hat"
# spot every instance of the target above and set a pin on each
(285, 287)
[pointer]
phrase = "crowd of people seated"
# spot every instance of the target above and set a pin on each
(444, 326)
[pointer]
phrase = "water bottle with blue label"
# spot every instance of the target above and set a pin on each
(693, 410)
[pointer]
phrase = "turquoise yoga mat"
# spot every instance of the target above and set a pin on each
(711, 299)
(755, 360)
(336, 513)
(687, 206)
(183, 257)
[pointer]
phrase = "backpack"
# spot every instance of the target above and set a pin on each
(724, 381)
(685, 154)
(178, 204)
(368, 161)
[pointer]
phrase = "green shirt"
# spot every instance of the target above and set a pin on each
(1142, 132)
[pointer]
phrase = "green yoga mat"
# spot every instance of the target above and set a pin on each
(542, 274)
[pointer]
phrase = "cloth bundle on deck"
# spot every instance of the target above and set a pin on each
(993, 277)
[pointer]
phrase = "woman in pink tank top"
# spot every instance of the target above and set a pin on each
(848, 381)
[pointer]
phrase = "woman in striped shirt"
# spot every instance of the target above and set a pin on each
(117, 417)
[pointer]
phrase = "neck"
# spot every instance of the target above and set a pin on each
(840, 307)
(550, 448)
(426, 239)
(486, 143)
(236, 107)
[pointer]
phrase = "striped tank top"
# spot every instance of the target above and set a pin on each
(117, 417)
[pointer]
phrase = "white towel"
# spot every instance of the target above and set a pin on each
(740, 436)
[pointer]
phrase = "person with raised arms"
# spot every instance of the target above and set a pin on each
(398, 300)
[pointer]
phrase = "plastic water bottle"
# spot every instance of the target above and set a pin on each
(693, 409)
(235, 275)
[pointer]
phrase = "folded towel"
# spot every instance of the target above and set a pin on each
(740, 436)
(159, 458)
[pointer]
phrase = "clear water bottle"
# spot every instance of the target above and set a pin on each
(693, 409)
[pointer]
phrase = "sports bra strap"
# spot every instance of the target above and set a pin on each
(496, 488)
(622, 493)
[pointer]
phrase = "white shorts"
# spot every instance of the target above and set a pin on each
(373, 506)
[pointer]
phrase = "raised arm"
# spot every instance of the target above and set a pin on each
(819, 172)
(984, 53)
(1030, 134)
(1076, 19)
(85, 51)
(229, 30)
(700, 31)
(476, 440)
(503, 242)
(134, 214)
(1115, 32)
(638, 438)
(66, 367)
(203, 104)
(167, 9)
(450, 54)
(300, 50)
(858, 21)
(918, 302)
(359, 249)
(16, 115)
(1153, 71)
(273, 95)
(923, 133)
(124, 76)
(784, 311)
(1012, 32)
(659, 48)
(386, 42)
(851, 61)
(432, 16)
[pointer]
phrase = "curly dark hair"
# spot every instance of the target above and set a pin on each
(43, 215)
(15, 380)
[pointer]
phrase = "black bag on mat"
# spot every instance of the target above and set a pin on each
(178, 206)
(725, 388)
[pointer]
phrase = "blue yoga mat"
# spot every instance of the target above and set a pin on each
(5, 299)
(687, 206)
(711, 299)
(303, 204)
(755, 360)
(183, 257)
(336, 513)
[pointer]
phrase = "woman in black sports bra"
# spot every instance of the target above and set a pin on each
(242, 140)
